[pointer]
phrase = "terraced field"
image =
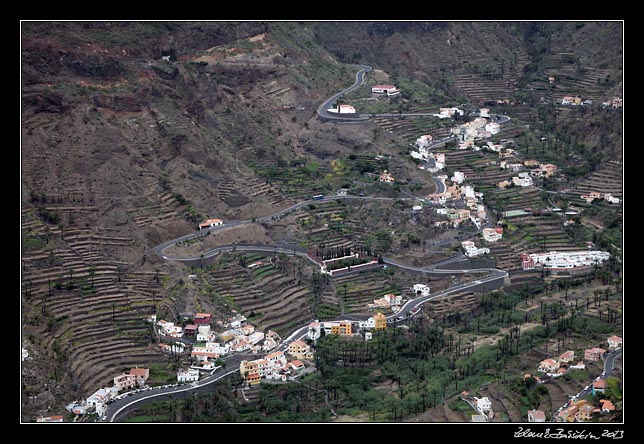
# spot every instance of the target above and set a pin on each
(608, 179)
(356, 291)
(95, 309)
(270, 297)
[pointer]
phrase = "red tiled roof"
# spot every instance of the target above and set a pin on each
(138, 371)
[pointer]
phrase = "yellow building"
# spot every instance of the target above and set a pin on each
(300, 350)
(248, 367)
(253, 379)
(380, 321)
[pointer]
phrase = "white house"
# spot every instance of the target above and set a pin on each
(424, 140)
(393, 299)
(343, 109)
(484, 405)
(484, 112)
(493, 127)
(471, 250)
(416, 208)
(256, 337)
(522, 181)
(169, 329)
(422, 289)
(314, 331)
(276, 358)
(609, 197)
(491, 234)
(99, 399)
(369, 323)
(458, 177)
(390, 90)
(189, 375)
(203, 333)
(445, 113)
(209, 223)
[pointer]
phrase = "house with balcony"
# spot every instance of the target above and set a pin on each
(253, 379)
(300, 350)
(246, 367)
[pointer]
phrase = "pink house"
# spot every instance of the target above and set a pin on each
(614, 342)
(536, 416)
(594, 354)
(548, 366)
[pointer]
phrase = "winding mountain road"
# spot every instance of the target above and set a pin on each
(120, 407)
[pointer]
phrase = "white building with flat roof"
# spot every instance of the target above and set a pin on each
(189, 375)
(562, 260)
(421, 289)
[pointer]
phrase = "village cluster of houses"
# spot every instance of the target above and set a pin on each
(274, 365)
(236, 336)
(575, 101)
(475, 211)
(490, 235)
(346, 327)
(608, 197)
(479, 128)
(97, 402)
(576, 410)
(525, 178)
(563, 260)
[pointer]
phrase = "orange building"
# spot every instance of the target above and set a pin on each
(380, 321)
(341, 328)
